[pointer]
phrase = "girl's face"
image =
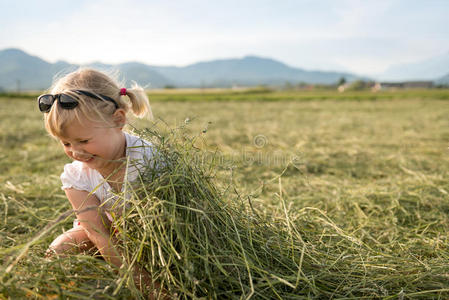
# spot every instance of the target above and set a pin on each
(96, 144)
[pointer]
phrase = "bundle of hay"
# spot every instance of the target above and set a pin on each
(197, 241)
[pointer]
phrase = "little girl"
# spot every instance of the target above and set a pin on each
(86, 111)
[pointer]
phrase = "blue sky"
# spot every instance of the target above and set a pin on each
(364, 37)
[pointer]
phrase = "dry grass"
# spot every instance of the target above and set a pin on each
(366, 192)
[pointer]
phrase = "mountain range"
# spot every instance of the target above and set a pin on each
(21, 71)
(434, 68)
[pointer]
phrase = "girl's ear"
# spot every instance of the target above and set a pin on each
(119, 118)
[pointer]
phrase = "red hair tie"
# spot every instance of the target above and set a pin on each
(123, 91)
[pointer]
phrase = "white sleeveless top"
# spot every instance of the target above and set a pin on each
(78, 176)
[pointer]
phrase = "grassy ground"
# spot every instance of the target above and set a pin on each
(375, 164)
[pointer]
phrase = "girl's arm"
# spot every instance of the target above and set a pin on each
(93, 221)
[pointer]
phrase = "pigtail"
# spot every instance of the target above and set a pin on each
(140, 105)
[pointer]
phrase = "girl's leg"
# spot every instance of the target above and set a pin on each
(73, 240)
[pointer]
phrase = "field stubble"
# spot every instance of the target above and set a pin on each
(377, 171)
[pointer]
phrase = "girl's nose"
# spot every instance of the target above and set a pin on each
(77, 148)
(79, 154)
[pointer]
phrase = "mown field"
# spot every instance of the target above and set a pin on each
(370, 167)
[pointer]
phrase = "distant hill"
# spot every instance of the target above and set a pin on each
(18, 69)
(250, 70)
(21, 70)
(144, 75)
(443, 80)
(428, 69)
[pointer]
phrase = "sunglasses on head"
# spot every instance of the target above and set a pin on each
(66, 101)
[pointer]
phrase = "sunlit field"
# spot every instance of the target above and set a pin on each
(364, 176)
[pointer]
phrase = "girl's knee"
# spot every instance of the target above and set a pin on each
(62, 244)
(73, 241)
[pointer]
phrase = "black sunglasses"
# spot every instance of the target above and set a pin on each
(66, 101)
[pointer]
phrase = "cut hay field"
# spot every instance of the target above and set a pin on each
(369, 171)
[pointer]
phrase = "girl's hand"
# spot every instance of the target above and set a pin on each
(145, 284)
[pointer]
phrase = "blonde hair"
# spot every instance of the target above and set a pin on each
(94, 110)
